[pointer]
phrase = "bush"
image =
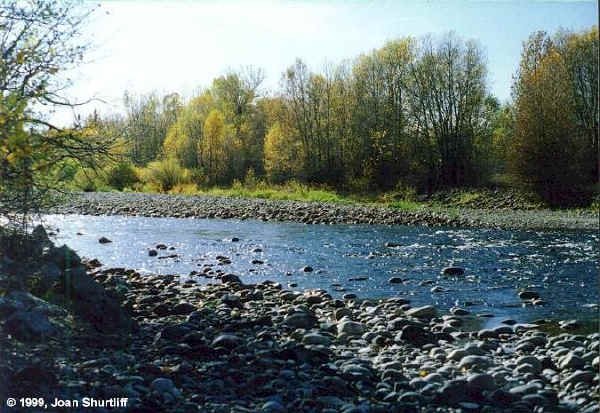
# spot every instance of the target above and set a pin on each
(121, 175)
(88, 180)
(164, 175)
(184, 189)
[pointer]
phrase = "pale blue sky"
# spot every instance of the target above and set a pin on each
(181, 45)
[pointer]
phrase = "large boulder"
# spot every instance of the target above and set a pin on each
(92, 302)
(29, 325)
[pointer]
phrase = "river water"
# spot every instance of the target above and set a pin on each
(560, 266)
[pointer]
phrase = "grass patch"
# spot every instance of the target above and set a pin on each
(405, 205)
(292, 191)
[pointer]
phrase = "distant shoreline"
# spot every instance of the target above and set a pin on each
(183, 206)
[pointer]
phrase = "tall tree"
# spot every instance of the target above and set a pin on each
(546, 150)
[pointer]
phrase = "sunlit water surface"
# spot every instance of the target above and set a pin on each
(561, 266)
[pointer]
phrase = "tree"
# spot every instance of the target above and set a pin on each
(39, 41)
(580, 53)
(547, 150)
(185, 135)
(281, 155)
(448, 96)
(216, 149)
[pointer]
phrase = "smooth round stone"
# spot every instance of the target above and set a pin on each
(535, 400)
(474, 362)
(163, 385)
(469, 406)
(487, 333)
(509, 322)
(226, 340)
(316, 339)
(427, 311)
(524, 369)
(528, 295)
(532, 361)
(415, 335)
(579, 377)
(300, 320)
(314, 299)
(410, 397)
(503, 330)
(273, 406)
(351, 328)
(568, 324)
(231, 300)
(524, 389)
(457, 354)
(459, 311)
(481, 381)
(342, 312)
(454, 391)
(453, 271)
(571, 362)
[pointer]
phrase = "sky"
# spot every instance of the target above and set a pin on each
(181, 45)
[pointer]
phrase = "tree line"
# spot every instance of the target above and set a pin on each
(415, 113)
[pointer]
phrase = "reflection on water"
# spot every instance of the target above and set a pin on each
(561, 266)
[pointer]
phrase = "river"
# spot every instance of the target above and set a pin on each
(560, 266)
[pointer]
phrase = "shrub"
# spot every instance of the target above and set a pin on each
(87, 180)
(121, 175)
(164, 175)
(184, 189)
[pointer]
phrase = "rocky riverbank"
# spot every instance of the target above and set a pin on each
(157, 205)
(232, 347)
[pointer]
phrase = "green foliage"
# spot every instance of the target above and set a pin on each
(164, 175)
(411, 117)
(121, 175)
(293, 191)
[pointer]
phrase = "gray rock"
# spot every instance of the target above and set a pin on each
(232, 301)
(300, 320)
(579, 377)
(453, 392)
(571, 362)
(273, 406)
(165, 386)
(231, 278)
(474, 362)
(534, 362)
(528, 388)
(226, 340)
(316, 339)
(528, 295)
(352, 328)
(183, 309)
(453, 271)
(480, 382)
(459, 311)
(29, 325)
(416, 335)
(427, 311)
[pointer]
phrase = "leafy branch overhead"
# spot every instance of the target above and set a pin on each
(40, 42)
